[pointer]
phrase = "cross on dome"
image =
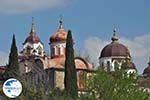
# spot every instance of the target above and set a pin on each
(61, 27)
(114, 37)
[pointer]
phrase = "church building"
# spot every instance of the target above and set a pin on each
(115, 55)
(34, 61)
(144, 81)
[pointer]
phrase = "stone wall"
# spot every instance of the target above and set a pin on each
(59, 79)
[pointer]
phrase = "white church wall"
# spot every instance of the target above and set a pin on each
(104, 61)
(57, 45)
(35, 47)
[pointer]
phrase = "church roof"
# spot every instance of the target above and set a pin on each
(144, 82)
(147, 69)
(114, 48)
(32, 38)
(59, 63)
(128, 65)
(60, 35)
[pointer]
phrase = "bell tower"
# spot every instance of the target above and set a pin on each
(33, 45)
(58, 42)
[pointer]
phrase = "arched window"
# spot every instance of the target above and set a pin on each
(39, 50)
(102, 65)
(108, 66)
(52, 52)
(64, 51)
(116, 65)
(58, 50)
(28, 50)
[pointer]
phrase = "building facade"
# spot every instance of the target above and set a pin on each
(34, 61)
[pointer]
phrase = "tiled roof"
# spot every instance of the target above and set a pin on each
(59, 63)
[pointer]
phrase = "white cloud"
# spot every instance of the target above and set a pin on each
(139, 48)
(24, 6)
(93, 46)
(3, 58)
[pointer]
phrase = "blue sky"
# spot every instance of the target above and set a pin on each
(91, 22)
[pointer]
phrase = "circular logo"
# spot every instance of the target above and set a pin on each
(12, 88)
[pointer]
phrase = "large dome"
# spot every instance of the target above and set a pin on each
(114, 49)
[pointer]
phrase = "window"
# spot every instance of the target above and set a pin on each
(108, 66)
(28, 50)
(39, 50)
(64, 51)
(52, 51)
(116, 65)
(58, 50)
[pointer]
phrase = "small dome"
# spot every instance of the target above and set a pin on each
(32, 39)
(128, 65)
(147, 70)
(114, 49)
(60, 35)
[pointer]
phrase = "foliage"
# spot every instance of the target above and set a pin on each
(70, 79)
(105, 86)
(101, 85)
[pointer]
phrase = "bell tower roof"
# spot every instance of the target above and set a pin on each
(60, 35)
(32, 38)
(33, 31)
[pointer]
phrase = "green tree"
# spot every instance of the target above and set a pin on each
(70, 79)
(105, 86)
(12, 69)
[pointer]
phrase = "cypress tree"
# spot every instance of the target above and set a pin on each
(70, 80)
(12, 70)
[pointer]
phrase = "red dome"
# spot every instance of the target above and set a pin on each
(60, 35)
(114, 49)
(32, 39)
